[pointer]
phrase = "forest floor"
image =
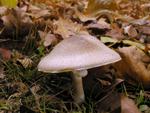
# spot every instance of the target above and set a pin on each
(33, 28)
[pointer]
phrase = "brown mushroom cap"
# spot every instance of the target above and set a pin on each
(78, 52)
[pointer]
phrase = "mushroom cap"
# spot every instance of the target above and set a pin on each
(78, 52)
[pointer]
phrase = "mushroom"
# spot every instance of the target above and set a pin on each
(77, 54)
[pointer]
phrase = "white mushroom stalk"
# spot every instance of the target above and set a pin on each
(77, 54)
(78, 85)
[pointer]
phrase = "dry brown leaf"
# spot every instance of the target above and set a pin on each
(37, 12)
(132, 65)
(48, 38)
(128, 105)
(19, 88)
(144, 30)
(34, 90)
(23, 60)
(101, 24)
(130, 31)
(110, 103)
(92, 80)
(2, 75)
(104, 82)
(10, 20)
(16, 17)
(131, 8)
(16, 21)
(84, 18)
(141, 22)
(96, 5)
(6, 54)
(66, 28)
(145, 7)
(26, 62)
(3, 10)
(115, 32)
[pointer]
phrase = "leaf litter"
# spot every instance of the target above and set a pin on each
(30, 31)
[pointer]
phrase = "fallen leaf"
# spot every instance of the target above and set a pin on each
(116, 32)
(104, 82)
(130, 31)
(19, 87)
(37, 12)
(108, 40)
(34, 90)
(9, 3)
(134, 43)
(26, 62)
(132, 66)
(3, 10)
(6, 54)
(144, 30)
(14, 20)
(16, 17)
(84, 18)
(101, 24)
(143, 108)
(48, 38)
(66, 28)
(110, 103)
(107, 98)
(2, 75)
(141, 21)
(128, 105)
(96, 5)
(145, 7)
(143, 47)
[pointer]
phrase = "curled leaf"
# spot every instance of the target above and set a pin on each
(132, 66)
(26, 62)
(97, 5)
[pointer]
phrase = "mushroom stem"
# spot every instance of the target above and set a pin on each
(79, 96)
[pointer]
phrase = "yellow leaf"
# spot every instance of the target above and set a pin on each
(9, 3)
(97, 5)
